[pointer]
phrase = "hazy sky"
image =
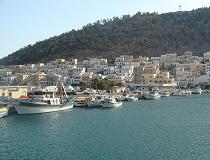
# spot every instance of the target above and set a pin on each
(24, 22)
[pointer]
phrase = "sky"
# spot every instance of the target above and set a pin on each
(24, 22)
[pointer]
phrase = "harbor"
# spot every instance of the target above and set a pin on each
(105, 80)
(175, 127)
(56, 98)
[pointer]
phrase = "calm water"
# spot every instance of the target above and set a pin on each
(170, 128)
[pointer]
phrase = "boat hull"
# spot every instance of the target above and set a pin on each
(131, 99)
(94, 104)
(197, 92)
(3, 112)
(80, 104)
(27, 108)
(112, 105)
(186, 93)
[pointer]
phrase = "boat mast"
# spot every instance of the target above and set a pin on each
(64, 91)
(61, 93)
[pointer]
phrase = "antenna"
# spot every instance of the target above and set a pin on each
(180, 7)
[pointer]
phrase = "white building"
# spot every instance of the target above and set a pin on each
(94, 61)
(187, 57)
(99, 67)
(206, 57)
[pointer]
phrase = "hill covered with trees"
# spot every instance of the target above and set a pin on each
(143, 34)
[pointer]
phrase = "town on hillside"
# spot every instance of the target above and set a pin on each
(136, 73)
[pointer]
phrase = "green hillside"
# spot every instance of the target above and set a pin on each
(147, 34)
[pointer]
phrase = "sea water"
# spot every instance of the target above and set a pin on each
(169, 128)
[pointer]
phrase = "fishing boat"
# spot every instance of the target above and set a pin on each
(111, 103)
(152, 95)
(3, 109)
(44, 101)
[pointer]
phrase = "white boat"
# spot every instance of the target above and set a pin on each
(176, 92)
(44, 101)
(33, 108)
(130, 98)
(3, 110)
(111, 103)
(197, 90)
(165, 93)
(185, 92)
(152, 95)
(94, 103)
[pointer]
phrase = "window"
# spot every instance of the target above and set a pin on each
(10, 94)
(3, 94)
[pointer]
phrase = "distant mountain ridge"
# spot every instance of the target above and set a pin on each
(144, 34)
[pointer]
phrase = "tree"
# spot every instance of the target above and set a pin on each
(94, 83)
(16, 81)
(120, 84)
(32, 80)
(82, 86)
(104, 84)
(51, 79)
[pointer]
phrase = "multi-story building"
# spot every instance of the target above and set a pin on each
(13, 91)
(117, 78)
(123, 60)
(150, 74)
(185, 73)
(188, 57)
(94, 61)
(169, 59)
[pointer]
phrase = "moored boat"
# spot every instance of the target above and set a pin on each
(130, 98)
(40, 107)
(94, 103)
(165, 93)
(80, 103)
(179, 92)
(111, 103)
(44, 101)
(3, 109)
(176, 92)
(197, 90)
(153, 95)
(185, 92)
